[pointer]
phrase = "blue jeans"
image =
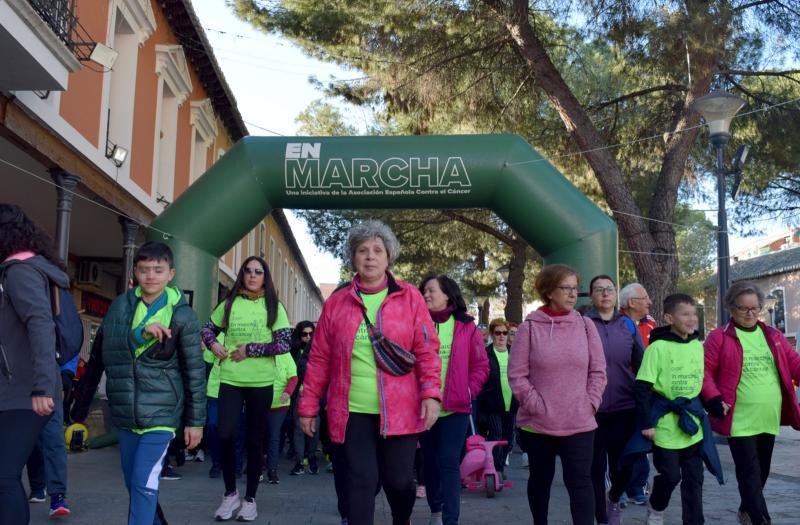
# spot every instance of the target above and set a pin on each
(441, 447)
(142, 457)
(639, 476)
(212, 435)
(275, 420)
(47, 464)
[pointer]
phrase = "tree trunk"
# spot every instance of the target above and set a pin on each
(516, 281)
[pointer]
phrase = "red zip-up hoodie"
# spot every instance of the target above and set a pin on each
(402, 317)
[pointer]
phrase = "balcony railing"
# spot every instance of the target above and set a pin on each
(59, 15)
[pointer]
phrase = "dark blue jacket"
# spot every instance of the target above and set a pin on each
(661, 406)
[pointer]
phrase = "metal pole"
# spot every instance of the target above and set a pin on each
(129, 229)
(723, 256)
(65, 187)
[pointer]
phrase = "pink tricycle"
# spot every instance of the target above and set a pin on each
(477, 467)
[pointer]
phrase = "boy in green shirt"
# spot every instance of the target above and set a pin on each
(667, 388)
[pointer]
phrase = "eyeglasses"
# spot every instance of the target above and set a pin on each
(498, 333)
(748, 309)
(306, 334)
(608, 290)
(254, 271)
(568, 289)
(645, 298)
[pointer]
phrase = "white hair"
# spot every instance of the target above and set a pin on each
(372, 229)
(628, 293)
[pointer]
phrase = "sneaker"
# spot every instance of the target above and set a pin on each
(313, 468)
(508, 456)
(230, 503)
(524, 460)
(623, 501)
(744, 518)
(248, 511)
(614, 513)
(272, 476)
(329, 467)
(215, 471)
(298, 469)
(436, 518)
(169, 474)
(188, 456)
(641, 499)
(421, 491)
(654, 517)
(199, 456)
(38, 496)
(58, 506)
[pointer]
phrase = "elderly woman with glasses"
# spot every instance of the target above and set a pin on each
(616, 418)
(748, 389)
(558, 372)
(375, 409)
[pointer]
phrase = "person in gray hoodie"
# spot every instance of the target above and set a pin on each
(30, 381)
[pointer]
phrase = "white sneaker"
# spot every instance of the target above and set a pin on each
(200, 456)
(508, 456)
(654, 517)
(227, 507)
(524, 460)
(248, 511)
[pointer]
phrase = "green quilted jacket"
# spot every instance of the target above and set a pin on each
(165, 385)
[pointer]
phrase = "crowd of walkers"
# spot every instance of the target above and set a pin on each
(392, 379)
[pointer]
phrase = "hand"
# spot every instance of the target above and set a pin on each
(192, 437)
(308, 425)
(649, 433)
(429, 412)
(285, 397)
(158, 331)
(240, 354)
(42, 405)
(725, 408)
(220, 351)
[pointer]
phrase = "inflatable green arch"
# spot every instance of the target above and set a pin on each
(500, 172)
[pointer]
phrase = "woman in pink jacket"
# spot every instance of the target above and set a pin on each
(748, 390)
(377, 416)
(557, 371)
(464, 370)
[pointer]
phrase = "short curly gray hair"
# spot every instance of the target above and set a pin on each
(367, 230)
(742, 288)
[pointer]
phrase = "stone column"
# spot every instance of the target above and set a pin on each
(129, 229)
(65, 188)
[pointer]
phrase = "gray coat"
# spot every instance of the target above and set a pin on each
(27, 334)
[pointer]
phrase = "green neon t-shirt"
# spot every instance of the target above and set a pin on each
(675, 370)
(163, 316)
(285, 369)
(758, 396)
(445, 331)
(248, 324)
(363, 398)
(505, 388)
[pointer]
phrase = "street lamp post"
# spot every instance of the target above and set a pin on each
(718, 109)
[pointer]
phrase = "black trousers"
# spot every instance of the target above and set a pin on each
(614, 429)
(576, 463)
(752, 456)
(684, 466)
(19, 431)
(256, 403)
(497, 426)
(372, 459)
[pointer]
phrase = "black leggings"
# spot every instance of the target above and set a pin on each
(752, 456)
(614, 429)
(19, 430)
(576, 463)
(372, 459)
(257, 402)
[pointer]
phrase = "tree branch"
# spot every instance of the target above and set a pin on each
(502, 237)
(757, 3)
(635, 94)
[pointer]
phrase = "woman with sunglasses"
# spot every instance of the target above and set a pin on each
(303, 445)
(464, 370)
(749, 392)
(558, 372)
(616, 418)
(496, 404)
(256, 329)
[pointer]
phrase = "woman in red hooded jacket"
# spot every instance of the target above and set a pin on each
(377, 416)
(748, 390)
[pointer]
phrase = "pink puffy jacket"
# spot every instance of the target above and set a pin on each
(723, 368)
(403, 317)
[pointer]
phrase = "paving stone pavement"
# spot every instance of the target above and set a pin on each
(97, 495)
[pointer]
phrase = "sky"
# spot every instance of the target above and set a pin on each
(269, 78)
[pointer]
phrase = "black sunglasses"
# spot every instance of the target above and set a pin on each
(254, 271)
(307, 334)
(498, 333)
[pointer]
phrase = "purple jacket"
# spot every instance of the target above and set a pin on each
(467, 369)
(623, 350)
(557, 372)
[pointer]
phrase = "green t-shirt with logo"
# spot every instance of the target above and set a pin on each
(248, 324)
(675, 370)
(758, 396)
(505, 387)
(285, 369)
(363, 397)
(446, 331)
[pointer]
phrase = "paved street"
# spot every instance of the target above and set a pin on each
(97, 495)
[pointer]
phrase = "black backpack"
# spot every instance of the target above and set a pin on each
(69, 328)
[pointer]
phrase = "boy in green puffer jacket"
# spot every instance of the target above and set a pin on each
(149, 346)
